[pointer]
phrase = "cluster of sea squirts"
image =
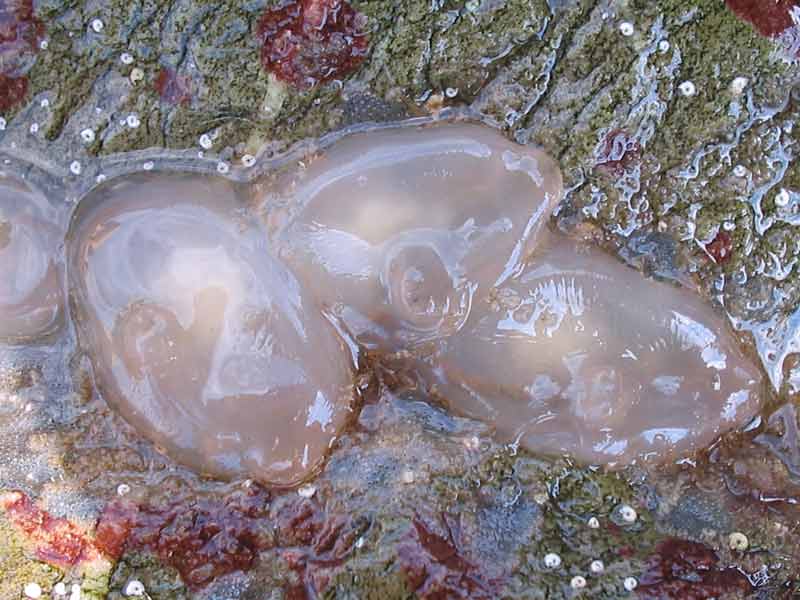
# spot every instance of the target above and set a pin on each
(225, 320)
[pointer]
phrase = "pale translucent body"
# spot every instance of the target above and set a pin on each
(31, 295)
(198, 336)
(582, 355)
(396, 230)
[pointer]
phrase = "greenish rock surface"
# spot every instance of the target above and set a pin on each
(675, 125)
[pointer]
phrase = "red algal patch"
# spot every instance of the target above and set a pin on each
(114, 527)
(685, 570)
(206, 538)
(55, 540)
(20, 33)
(769, 17)
(317, 543)
(618, 153)
(12, 91)
(435, 564)
(720, 247)
(173, 88)
(312, 41)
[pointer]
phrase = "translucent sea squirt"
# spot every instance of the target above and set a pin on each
(581, 355)
(198, 336)
(31, 295)
(396, 230)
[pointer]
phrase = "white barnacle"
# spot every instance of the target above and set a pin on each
(740, 171)
(626, 28)
(552, 560)
(578, 582)
(738, 85)
(782, 198)
(134, 588)
(687, 88)
(627, 513)
(136, 75)
(306, 491)
(630, 584)
(87, 135)
(407, 476)
(738, 541)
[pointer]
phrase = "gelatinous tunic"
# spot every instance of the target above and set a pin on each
(395, 230)
(582, 355)
(198, 336)
(31, 295)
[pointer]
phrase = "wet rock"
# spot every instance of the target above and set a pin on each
(783, 439)
(697, 511)
(691, 571)
(714, 156)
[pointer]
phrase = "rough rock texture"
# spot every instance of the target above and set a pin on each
(674, 124)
